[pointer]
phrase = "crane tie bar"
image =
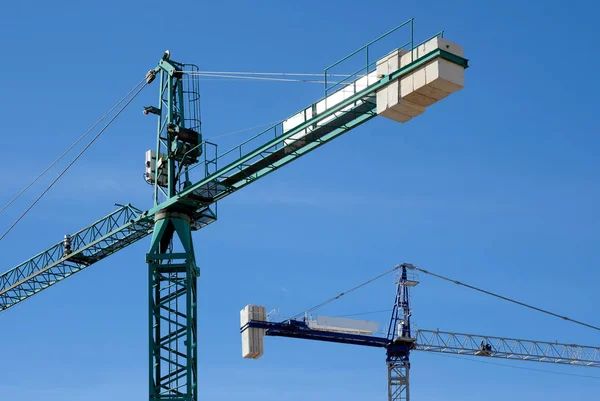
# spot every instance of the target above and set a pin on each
(505, 298)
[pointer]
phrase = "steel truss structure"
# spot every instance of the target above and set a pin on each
(400, 342)
(186, 200)
(507, 348)
(76, 252)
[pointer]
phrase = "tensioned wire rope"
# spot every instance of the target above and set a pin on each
(143, 83)
(523, 304)
(86, 133)
(215, 74)
(459, 283)
(411, 267)
(270, 76)
(518, 367)
(288, 74)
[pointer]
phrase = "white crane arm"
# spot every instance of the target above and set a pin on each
(507, 348)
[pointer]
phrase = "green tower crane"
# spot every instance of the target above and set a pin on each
(189, 177)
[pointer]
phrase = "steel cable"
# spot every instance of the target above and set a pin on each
(73, 161)
(312, 81)
(69, 148)
(341, 294)
(505, 298)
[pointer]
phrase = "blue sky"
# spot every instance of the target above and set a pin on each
(497, 185)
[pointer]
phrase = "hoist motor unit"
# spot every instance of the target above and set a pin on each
(187, 145)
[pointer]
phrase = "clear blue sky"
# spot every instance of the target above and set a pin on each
(496, 185)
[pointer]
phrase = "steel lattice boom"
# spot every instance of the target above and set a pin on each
(447, 342)
(271, 149)
(190, 177)
(253, 159)
(103, 238)
(507, 348)
(399, 342)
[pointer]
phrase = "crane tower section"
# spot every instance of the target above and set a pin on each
(401, 340)
(172, 269)
(189, 177)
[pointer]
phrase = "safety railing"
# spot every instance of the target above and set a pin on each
(277, 130)
(365, 51)
(370, 56)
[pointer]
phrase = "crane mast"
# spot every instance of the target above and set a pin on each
(401, 340)
(189, 177)
(172, 268)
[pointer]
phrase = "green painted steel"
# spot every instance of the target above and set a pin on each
(181, 207)
(90, 245)
(271, 154)
(172, 294)
(365, 49)
(247, 165)
(172, 269)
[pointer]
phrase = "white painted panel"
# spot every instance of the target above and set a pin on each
(445, 76)
(323, 105)
(444, 44)
(343, 325)
(411, 94)
(150, 173)
(252, 338)
(389, 63)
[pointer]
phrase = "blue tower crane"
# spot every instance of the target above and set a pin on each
(401, 340)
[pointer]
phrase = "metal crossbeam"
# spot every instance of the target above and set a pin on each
(183, 203)
(127, 224)
(508, 348)
(398, 380)
(173, 311)
(245, 164)
(299, 329)
(103, 238)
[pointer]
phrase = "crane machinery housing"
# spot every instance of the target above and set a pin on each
(189, 177)
(400, 340)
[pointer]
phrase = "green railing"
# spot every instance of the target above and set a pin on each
(277, 129)
(366, 53)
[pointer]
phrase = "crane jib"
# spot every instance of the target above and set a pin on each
(129, 224)
(181, 206)
(85, 247)
(249, 165)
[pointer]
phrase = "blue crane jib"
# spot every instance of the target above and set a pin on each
(400, 341)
